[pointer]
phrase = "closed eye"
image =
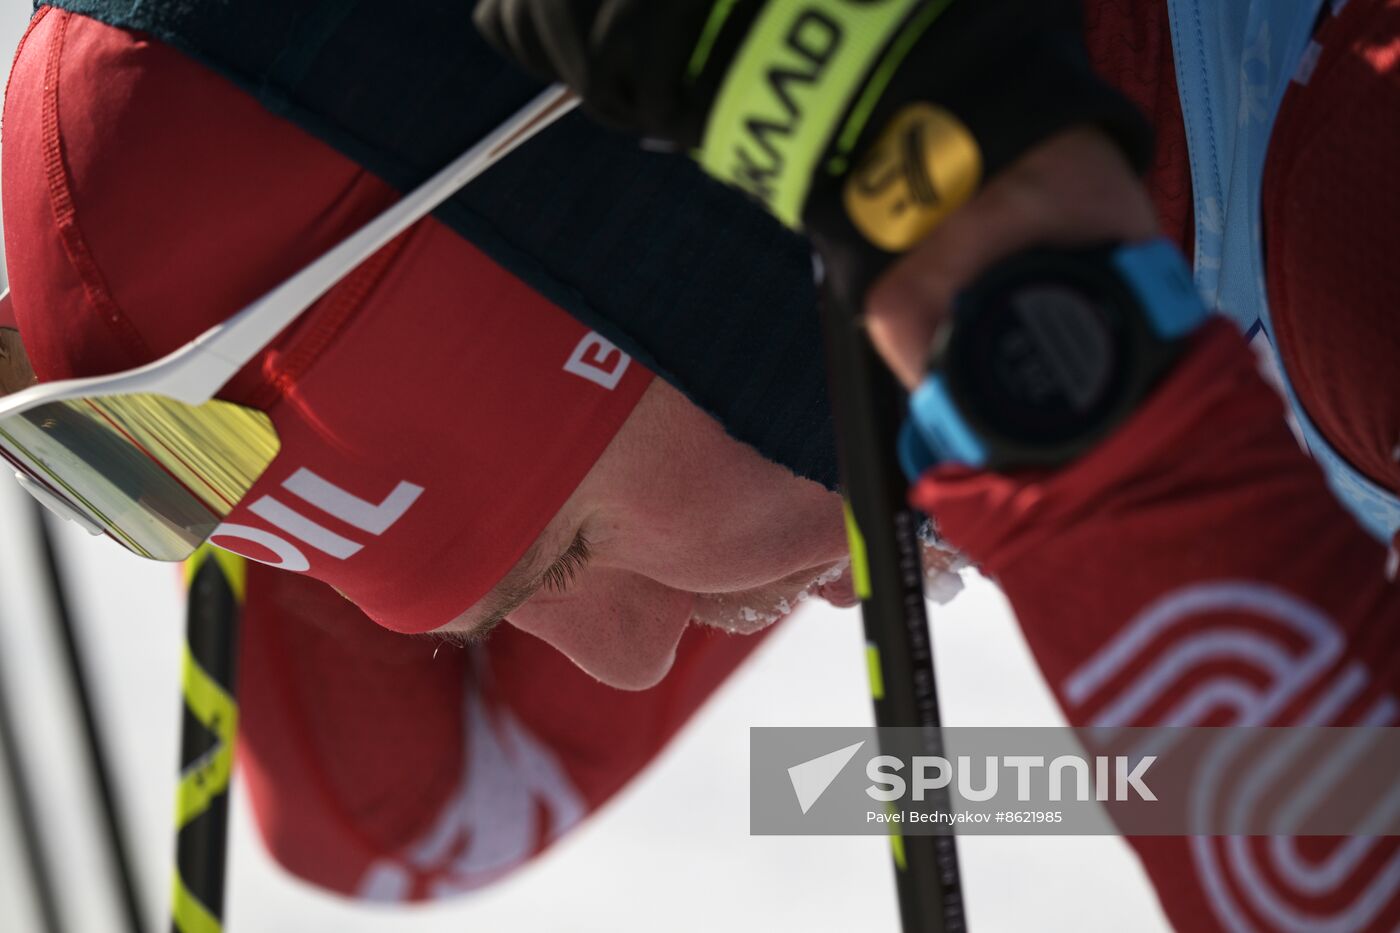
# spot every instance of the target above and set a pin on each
(556, 578)
(565, 570)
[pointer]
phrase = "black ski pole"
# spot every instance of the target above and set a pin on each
(887, 566)
(98, 763)
(208, 730)
(22, 801)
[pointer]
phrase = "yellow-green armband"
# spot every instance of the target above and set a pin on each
(803, 68)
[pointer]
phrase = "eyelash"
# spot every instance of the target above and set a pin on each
(566, 569)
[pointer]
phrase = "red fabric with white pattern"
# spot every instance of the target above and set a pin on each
(390, 769)
(1201, 517)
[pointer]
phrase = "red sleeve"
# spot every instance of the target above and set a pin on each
(1130, 46)
(386, 768)
(1194, 568)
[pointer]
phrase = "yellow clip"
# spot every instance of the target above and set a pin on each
(897, 847)
(860, 563)
(872, 666)
(925, 165)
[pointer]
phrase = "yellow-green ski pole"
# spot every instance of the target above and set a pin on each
(216, 582)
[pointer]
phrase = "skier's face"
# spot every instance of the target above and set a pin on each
(683, 524)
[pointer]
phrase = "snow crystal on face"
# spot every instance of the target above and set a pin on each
(830, 576)
(749, 620)
(746, 620)
(942, 583)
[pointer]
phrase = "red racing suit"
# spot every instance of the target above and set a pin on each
(1201, 516)
(386, 768)
(1194, 568)
(381, 770)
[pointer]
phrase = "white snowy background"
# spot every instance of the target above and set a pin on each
(672, 853)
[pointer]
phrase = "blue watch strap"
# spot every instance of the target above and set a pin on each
(1157, 272)
(936, 431)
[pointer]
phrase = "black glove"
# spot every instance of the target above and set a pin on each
(864, 121)
(626, 60)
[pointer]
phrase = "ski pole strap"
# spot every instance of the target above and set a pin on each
(216, 583)
(866, 123)
(949, 119)
(792, 81)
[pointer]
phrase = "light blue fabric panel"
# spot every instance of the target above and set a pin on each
(1234, 62)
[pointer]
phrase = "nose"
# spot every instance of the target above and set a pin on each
(617, 626)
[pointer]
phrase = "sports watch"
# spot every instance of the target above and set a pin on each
(1047, 353)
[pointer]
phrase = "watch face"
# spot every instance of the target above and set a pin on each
(1042, 362)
